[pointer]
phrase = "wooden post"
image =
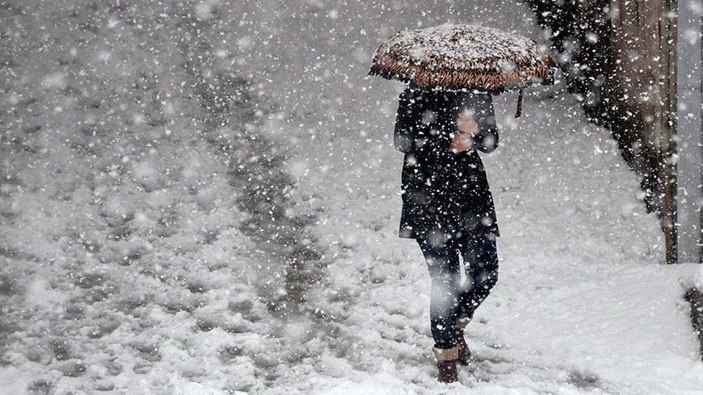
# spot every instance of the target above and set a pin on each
(644, 50)
(667, 125)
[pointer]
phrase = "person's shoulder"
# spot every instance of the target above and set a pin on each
(410, 92)
(418, 95)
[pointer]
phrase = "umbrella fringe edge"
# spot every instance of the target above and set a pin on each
(489, 76)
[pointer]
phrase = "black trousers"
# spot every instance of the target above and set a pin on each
(450, 299)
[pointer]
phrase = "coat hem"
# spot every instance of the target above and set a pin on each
(409, 234)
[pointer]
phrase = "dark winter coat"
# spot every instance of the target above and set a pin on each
(444, 193)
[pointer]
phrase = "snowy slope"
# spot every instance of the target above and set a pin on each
(135, 159)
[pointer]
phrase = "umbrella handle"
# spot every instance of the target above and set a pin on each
(518, 112)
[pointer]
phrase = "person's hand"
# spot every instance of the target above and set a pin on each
(461, 142)
(467, 126)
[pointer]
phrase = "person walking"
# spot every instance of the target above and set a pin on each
(448, 208)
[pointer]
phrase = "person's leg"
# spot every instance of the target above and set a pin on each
(481, 266)
(443, 265)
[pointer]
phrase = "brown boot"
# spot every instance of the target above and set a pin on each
(464, 352)
(446, 364)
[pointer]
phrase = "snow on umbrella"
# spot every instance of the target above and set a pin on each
(463, 57)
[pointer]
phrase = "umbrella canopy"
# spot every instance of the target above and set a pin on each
(463, 57)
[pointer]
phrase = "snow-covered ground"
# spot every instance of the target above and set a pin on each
(169, 227)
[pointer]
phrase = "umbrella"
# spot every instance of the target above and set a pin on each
(464, 57)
